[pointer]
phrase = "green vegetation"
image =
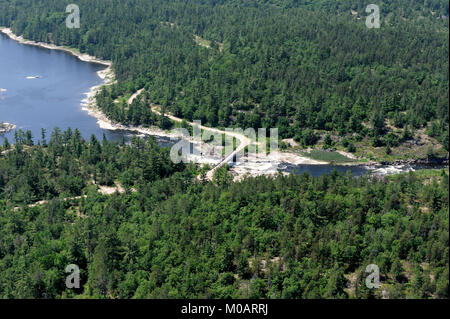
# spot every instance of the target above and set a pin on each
(68, 166)
(310, 68)
(302, 66)
(327, 156)
(172, 236)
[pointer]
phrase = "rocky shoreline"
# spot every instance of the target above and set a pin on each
(82, 56)
(6, 127)
(107, 75)
(433, 161)
(89, 104)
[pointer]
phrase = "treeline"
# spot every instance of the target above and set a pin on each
(66, 165)
(294, 65)
(173, 236)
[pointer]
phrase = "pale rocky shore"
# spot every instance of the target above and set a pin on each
(6, 127)
(254, 166)
(89, 104)
(82, 56)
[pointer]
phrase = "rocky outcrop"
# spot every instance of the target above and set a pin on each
(6, 127)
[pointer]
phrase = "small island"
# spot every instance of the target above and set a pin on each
(6, 127)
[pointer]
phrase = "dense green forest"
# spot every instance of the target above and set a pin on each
(140, 226)
(169, 235)
(69, 165)
(309, 68)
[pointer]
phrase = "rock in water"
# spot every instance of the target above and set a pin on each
(6, 127)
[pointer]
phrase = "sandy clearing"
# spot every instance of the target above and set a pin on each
(104, 190)
(88, 104)
(109, 190)
(44, 202)
(134, 96)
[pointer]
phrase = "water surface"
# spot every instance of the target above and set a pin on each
(44, 89)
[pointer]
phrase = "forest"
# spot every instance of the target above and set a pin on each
(139, 226)
(170, 235)
(307, 67)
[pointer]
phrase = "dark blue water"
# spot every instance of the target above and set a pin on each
(53, 99)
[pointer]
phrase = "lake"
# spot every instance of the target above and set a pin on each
(52, 99)
(44, 89)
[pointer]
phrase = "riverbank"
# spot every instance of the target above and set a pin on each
(89, 104)
(82, 56)
(254, 165)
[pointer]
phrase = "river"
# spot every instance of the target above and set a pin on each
(42, 88)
